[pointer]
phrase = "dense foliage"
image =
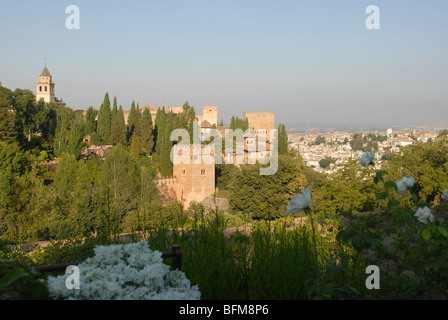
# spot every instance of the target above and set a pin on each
(49, 190)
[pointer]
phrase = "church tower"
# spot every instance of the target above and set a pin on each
(45, 86)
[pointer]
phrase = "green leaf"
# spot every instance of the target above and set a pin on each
(391, 184)
(392, 204)
(438, 264)
(36, 290)
(426, 234)
(381, 195)
(379, 176)
(442, 231)
(12, 276)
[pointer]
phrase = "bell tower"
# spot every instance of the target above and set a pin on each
(45, 86)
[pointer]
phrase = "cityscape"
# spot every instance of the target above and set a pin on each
(337, 146)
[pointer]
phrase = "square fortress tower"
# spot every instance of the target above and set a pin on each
(195, 181)
(210, 113)
(260, 121)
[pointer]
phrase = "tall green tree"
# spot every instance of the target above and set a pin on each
(91, 120)
(149, 204)
(47, 121)
(166, 166)
(7, 117)
(25, 107)
(115, 107)
(133, 122)
(104, 121)
(160, 124)
(147, 138)
(114, 113)
(13, 161)
(237, 123)
(62, 132)
(266, 196)
(69, 134)
(282, 139)
(232, 123)
(117, 189)
(135, 147)
(185, 119)
(73, 214)
(118, 129)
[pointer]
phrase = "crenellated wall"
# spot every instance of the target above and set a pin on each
(190, 181)
(168, 188)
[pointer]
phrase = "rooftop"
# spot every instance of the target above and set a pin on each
(45, 72)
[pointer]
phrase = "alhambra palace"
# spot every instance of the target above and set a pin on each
(192, 181)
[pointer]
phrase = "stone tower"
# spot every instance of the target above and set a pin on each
(196, 178)
(210, 113)
(260, 121)
(45, 86)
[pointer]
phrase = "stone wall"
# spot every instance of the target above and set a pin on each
(261, 121)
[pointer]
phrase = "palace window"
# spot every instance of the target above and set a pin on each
(40, 89)
(184, 172)
(45, 89)
(203, 172)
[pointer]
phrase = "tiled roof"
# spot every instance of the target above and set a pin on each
(45, 72)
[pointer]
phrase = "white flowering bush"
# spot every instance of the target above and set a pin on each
(424, 214)
(299, 202)
(125, 272)
(404, 184)
(367, 158)
(445, 195)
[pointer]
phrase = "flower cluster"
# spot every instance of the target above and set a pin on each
(299, 202)
(445, 195)
(125, 272)
(367, 158)
(404, 184)
(424, 214)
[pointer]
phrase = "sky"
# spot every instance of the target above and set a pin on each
(311, 62)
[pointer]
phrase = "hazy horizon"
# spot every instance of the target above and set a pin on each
(308, 61)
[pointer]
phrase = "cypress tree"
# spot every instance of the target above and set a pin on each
(282, 139)
(118, 130)
(91, 121)
(160, 128)
(135, 147)
(133, 122)
(232, 123)
(147, 138)
(69, 134)
(166, 166)
(115, 107)
(7, 121)
(104, 121)
(114, 110)
(245, 124)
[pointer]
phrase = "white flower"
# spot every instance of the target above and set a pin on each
(299, 202)
(404, 184)
(125, 272)
(367, 158)
(423, 214)
(445, 195)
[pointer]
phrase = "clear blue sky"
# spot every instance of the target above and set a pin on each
(309, 61)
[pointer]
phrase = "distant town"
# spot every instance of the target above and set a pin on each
(324, 151)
